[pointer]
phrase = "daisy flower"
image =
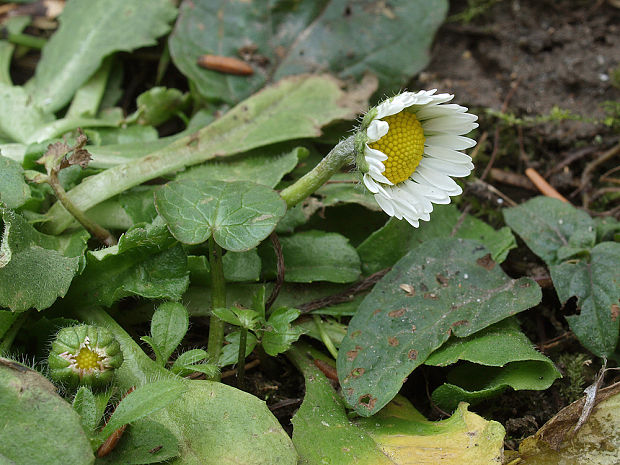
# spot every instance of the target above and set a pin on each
(409, 148)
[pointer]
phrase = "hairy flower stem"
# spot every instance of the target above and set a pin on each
(6, 341)
(327, 167)
(93, 228)
(243, 337)
(218, 300)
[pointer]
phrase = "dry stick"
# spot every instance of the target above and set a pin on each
(233, 372)
(576, 155)
(280, 278)
(512, 179)
(542, 185)
(345, 296)
(590, 167)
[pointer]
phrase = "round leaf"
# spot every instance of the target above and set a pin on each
(239, 215)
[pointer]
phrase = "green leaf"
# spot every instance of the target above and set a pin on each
(35, 269)
(145, 442)
(265, 168)
(14, 191)
(143, 401)
(397, 435)
(292, 109)
(20, 117)
(564, 238)
(239, 215)
(36, 425)
(595, 284)
(230, 352)
(448, 286)
(84, 404)
(168, 327)
(546, 225)
(88, 33)
(300, 39)
(387, 245)
(147, 262)
(7, 318)
(279, 334)
(242, 266)
(505, 358)
(314, 256)
(204, 405)
(158, 104)
(190, 357)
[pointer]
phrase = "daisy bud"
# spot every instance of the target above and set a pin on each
(84, 355)
(408, 148)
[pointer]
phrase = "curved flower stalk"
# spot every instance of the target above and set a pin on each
(409, 148)
(84, 355)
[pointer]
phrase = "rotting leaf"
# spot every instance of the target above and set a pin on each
(474, 298)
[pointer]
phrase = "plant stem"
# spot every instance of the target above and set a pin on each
(327, 167)
(27, 40)
(243, 337)
(218, 300)
(7, 340)
(93, 228)
(329, 345)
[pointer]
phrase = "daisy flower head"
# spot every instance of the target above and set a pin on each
(409, 147)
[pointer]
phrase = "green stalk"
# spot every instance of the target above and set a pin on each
(243, 337)
(218, 300)
(7, 340)
(27, 40)
(329, 345)
(93, 228)
(311, 181)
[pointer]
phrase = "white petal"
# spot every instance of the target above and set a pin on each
(436, 179)
(374, 186)
(374, 153)
(448, 125)
(377, 129)
(450, 141)
(451, 169)
(385, 204)
(447, 154)
(430, 112)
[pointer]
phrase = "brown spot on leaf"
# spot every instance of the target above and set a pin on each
(352, 354)
(460, 323)
(355, 333)
(486, 262)
(357, 372)
(409, 289)
(615, 311)
(397, 313)
(376, 312)
(442, 280)
(368, 401)
(413, 328)
(393, 341)
(431, 295)
(424, 287)
(349, 391)
(413, 354)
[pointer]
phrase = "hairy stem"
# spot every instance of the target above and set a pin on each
(311, 181)
(218, 300)
(243, 337)
(93, 228)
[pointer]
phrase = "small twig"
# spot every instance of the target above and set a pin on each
(345, 296)
(480, 184)
(604, 190)
(542, 185)
(512, 179)
(551, 343)
(590, 167)
(459, 222)
(481, 141)
(284, 403)
(248, 366)
(574, 156)
(281, 270)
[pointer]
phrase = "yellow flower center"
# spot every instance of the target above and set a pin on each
(403, 145)
(87, 359)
